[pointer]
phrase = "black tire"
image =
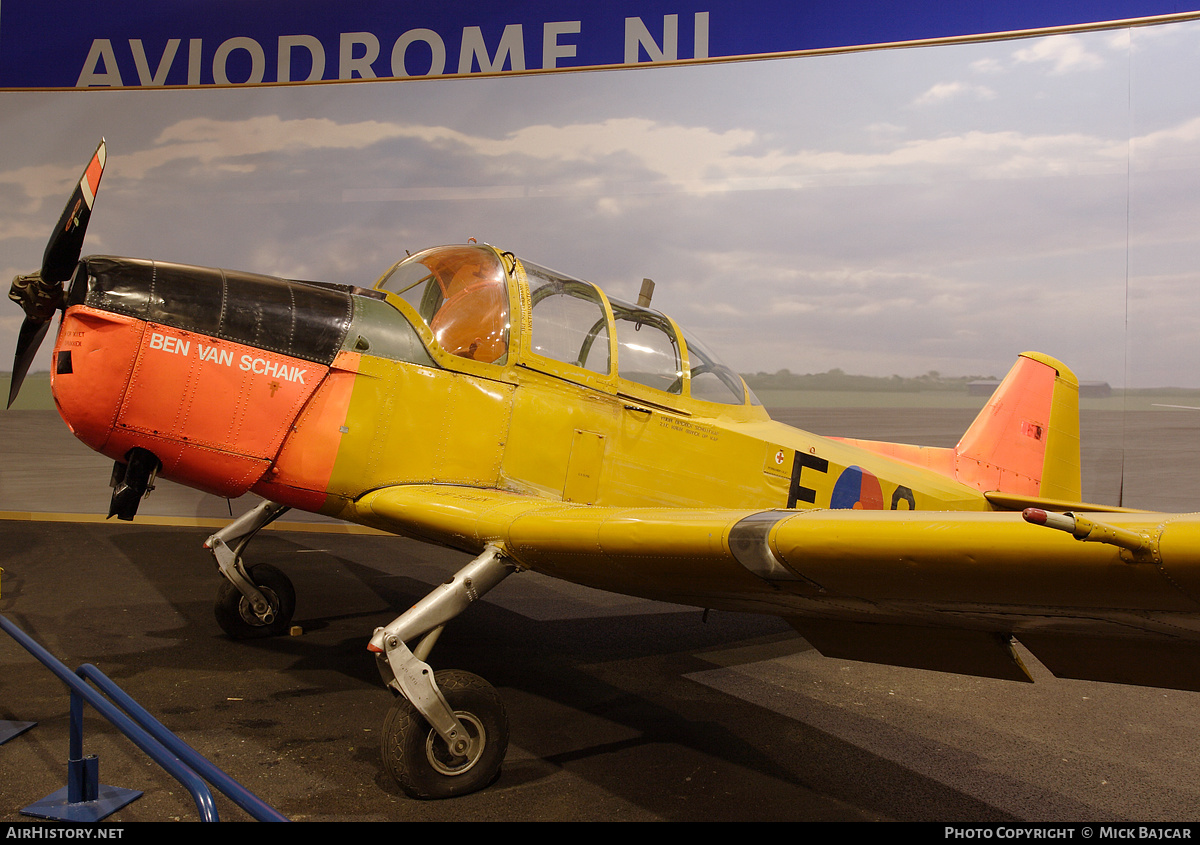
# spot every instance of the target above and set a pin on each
(418, 758)
(237, 619)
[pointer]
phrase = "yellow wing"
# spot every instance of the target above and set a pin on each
(934, 590)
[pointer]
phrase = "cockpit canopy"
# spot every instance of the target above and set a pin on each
(463, 295)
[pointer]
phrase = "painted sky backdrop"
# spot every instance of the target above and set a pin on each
(937, 208)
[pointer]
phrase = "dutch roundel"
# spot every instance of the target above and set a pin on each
(856, 488)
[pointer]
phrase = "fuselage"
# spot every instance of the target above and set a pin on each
(465, 366)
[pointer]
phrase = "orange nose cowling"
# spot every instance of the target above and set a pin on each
(92, 359)
(213, 411)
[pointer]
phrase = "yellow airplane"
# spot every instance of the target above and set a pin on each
(479, 401)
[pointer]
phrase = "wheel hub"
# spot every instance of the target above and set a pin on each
(447, 763)
(246, 611)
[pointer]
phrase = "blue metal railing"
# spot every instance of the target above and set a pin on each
(176, 757)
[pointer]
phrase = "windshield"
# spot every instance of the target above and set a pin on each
(461, 293)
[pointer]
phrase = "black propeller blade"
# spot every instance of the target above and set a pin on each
(41, 293)
(28, 341)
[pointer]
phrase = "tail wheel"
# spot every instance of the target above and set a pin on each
(237, 618)
(419, 759)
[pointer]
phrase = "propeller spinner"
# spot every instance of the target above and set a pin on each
(41, 293)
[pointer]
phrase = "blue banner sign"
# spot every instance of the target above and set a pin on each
(144, 43)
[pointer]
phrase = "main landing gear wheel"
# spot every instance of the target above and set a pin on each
(420, 760)
(237, 618)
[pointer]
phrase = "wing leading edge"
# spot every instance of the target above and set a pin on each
(934, 590)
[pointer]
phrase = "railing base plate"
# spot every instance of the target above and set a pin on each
(57, 807)
(10, 729)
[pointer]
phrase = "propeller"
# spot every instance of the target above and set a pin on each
(41, 293)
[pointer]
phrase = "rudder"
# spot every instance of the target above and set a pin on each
(1025, 441)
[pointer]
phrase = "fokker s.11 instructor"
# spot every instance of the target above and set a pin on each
(476, 400)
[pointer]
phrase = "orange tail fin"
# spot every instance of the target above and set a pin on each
(1026, 439)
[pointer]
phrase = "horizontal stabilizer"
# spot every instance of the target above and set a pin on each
(1008, 501)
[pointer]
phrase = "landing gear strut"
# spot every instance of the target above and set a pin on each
(447, 733)
(260, 601)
